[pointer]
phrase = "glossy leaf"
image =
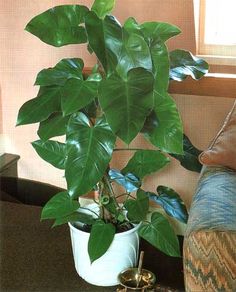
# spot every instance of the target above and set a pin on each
(160, 234)
(161, 62)
(131, 26)
(54, 126)
(133, 53)
(41, 107)
(138, 208)
(130, 182)
(131, 102)
(92, 109)
(60, 25)
(145, 162)
(64, 70)
(151, 123)
(105, 36)
(171, 203)
(189, 159)
(102, 8)
(159, 30)
(168, 135)
(60, 205)
(75, 217)
(76, 94)
(89, 153)
(156, 33)
(184, 64)
(51, 151)
(100, 239)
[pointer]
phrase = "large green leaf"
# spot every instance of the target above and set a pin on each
(159, 30)
(145, 162)
(150, 123)
(156, 33)
(129, 181)
(168, 135)
(138, 208)
(189, 159)
(76, 94)
(54, 126)
(92, 110)
(133, 53)
(58, 75)
(41, 107)
(89, 153)
(60, 25)
(160, 234)
(75, 217)
(184, 64)
(51, 151)
(131, 102)
(58, 206)
(100, 239)
(105, 36)
(103, 7)
(170, 202)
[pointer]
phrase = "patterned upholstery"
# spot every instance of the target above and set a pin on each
(210, 239)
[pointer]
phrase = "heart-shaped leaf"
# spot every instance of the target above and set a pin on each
(60, 25)
(102, 8)
(145, 162)
(138, 208)
(51, 151)
(156, 33)
(171, 203)
(89, 153)
(160, 234)
(105, 36)
(133, 53)
(41, 107)
(129, 181)
(189, 159)
(54, 126)
(168, 135)
(184, 64)
(100, 239)
(75, 217)
(150, 123)
(76, 94)
(58, 206)
(131, 102)
(159, 30)
(64, 70)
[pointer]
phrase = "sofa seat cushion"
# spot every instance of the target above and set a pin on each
(209, 256)
(214, 203)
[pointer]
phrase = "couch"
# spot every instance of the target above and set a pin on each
(209, 252)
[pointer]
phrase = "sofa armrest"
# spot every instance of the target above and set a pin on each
(210, 239)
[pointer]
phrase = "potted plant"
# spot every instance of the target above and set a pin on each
(124, 95)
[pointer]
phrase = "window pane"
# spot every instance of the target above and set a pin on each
(220, 22)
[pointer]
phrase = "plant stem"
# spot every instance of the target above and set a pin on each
(111, 192)
(127, 149)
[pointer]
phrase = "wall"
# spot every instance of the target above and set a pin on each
(23, 56)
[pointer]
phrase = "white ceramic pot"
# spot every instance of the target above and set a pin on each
(122, 254)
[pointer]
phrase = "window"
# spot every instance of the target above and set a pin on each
(217, 31)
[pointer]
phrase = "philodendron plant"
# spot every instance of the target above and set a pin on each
(124, 95)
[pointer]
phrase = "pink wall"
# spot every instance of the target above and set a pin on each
(23, 56)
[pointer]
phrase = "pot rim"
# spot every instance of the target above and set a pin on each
(123, 233)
